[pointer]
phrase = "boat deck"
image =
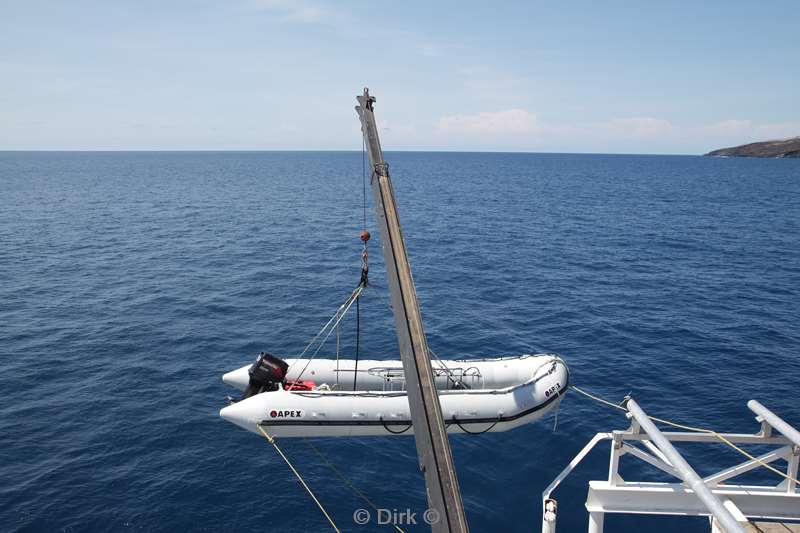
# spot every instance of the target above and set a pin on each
(774, 527)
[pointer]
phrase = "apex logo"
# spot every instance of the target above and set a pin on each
(286, 413)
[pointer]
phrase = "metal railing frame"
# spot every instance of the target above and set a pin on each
(713, 496)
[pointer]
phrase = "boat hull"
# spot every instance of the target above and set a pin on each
(338, 413)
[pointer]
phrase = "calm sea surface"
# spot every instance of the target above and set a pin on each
(130, 282)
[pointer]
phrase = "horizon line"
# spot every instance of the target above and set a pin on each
(325, 150)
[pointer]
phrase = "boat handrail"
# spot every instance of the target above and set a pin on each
(505, 390)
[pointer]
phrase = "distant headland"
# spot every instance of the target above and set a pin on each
(781, 148)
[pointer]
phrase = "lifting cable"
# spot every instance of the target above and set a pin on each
(299, 478)
(337, 317)
(358, 340)
(364, 182)
(355, 296)
(335, 320)
(445, 369)
(338, 345)
(346, 481)
(693, 429)
(364, 255)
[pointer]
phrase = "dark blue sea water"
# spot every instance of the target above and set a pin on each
(129, 282)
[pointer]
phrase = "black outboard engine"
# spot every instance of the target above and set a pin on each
(266, 374)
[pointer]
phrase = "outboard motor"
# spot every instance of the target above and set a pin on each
(266, 374)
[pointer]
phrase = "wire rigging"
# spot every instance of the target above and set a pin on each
(690, 428)
(364, 257)
(302, 481)
(347, 481)
(358, 341)
(327, 329)
(364, 181)
(446, 369)
(355, 297)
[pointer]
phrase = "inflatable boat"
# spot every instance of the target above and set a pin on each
(341, 398)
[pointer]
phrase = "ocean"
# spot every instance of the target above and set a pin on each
(130, 282)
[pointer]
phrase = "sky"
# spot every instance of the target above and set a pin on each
(665, 77)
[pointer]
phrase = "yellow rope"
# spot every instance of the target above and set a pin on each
(299, 478)
(598, 398)
(347, 481)
(694, 429)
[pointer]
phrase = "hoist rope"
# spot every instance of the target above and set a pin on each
(271, 440)
(338, 345)
(364, 255)
(693, 429)
(327, 324)
(444, 367)
(347, 481)
(364, 180)
(338, 316)
(358, 340)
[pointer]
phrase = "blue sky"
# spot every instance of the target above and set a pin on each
(617, 77)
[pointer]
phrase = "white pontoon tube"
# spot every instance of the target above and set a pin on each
(476, 396)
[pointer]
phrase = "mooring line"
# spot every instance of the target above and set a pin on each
(346, 481)
(271, 440)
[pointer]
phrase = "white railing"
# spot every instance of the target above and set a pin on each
(728, 505)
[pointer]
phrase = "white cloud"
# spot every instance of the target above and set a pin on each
(730, 127)
(521, 129)
(295, 10)
(747, 130)
(782, 130)
(524, 124)
(487, 83)
(493, 87)
(475, 70)
(640, 127)
(396, 131)
(490, 122)
(429, 50)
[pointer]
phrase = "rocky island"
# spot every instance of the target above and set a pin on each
(781, 148)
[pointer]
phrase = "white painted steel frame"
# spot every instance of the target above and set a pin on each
(615, 495)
